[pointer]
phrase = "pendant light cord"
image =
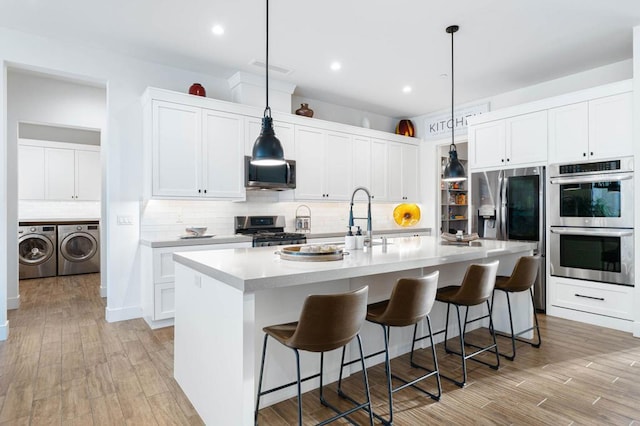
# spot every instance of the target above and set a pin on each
(453, 124)
(267, 108)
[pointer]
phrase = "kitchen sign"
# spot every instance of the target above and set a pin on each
(438, 125)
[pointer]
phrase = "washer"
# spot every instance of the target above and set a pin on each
(37, 246)
(78, 249)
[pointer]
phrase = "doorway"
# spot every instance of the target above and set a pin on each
(55, 126)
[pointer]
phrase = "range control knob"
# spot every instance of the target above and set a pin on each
(32, 229)
(78, 228)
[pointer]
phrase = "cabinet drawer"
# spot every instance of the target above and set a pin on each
(164, 301)
(597, 298)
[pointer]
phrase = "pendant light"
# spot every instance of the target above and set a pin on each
(454, 171)
(267, 149)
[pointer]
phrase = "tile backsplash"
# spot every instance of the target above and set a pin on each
(172, 216)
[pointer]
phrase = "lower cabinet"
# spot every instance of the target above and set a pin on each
(607, 305)
(158, 280)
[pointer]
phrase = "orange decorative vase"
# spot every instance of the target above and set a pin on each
(405, 127)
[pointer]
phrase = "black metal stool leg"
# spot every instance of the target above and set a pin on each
(387, 369)
(264, 352)
(299, 387)
(435, 360)
(493, 335)
(366, 381)
(446, 330)
(535, 317)
(514, 336)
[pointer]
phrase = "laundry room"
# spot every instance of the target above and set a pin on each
(57, 123)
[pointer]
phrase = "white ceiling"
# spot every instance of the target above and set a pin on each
(383, 45)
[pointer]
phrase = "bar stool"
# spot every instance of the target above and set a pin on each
(476, 289)
(522, 279)
(410, 302)
(327, 322)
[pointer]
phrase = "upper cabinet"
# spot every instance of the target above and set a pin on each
(598, 129)
(195, 148)
(511, 141)
(58, 171)
(402, 172)
(323, 164)
(196, 152)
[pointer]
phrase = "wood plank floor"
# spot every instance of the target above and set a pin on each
(64, 365)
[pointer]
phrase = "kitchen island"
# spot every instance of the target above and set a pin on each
(225, 297)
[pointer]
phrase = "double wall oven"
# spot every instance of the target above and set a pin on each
(591, 221)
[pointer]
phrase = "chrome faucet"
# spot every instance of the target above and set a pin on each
(369, 238)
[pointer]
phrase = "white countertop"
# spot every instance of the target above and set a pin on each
(260, 268)
(170, 239)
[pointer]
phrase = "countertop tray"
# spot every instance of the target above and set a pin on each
(294, 253)
(190, 237)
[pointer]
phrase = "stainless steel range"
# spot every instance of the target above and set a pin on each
(267, 231)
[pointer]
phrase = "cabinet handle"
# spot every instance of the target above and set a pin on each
(205, 191)
(508, 159)
(591, 153)
(584, 154)
(199, 191)
(373, 196)
(502, 160)
(590, 297)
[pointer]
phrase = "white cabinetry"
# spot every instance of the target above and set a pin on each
(158, 280)
(324, 164)
(58, 171)
(512, 141)
(379, 170)
(196, 152)
(607, 305)
(598, 129)
(402, 172)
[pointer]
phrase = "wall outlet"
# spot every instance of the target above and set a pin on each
(125, 220)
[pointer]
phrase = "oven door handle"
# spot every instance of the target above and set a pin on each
(599, 233)
(591, 179)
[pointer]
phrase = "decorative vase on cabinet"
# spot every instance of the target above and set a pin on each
(197, 89)
(305, 111)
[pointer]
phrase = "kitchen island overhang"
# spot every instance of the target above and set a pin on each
(224, 298)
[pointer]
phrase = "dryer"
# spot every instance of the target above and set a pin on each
(78, 249)
(37, 246)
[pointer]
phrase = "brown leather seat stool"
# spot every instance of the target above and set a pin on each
(522, 278)
(327, 322)
(410, 302)
(476, 289)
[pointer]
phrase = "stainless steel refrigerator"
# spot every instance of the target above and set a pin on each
(509, 205)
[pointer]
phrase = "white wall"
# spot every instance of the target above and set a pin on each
(636, 152)
(345, 115)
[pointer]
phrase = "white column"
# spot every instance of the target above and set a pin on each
(636, 152)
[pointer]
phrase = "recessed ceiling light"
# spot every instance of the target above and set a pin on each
(217, 30)
(406, 89)
(335, 66)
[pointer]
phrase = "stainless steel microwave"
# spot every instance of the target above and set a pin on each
(274, 178)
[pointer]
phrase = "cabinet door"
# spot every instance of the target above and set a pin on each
(487, 145)
(394, 172)
(526, 138)
(361, 162)
(568, 133)
(59, 174)
(310, 152)
(284, 132)
(610, 126)
(177, 150)
(88, 174)
(339, 166)
(379, 170)
(410, 179)
(31, 171)
(223, 155)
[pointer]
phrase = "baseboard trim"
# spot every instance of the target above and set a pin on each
(122, 314)
(159, 323)
(103, 292)
(13, 302)
(636, 329)
(4, 331)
